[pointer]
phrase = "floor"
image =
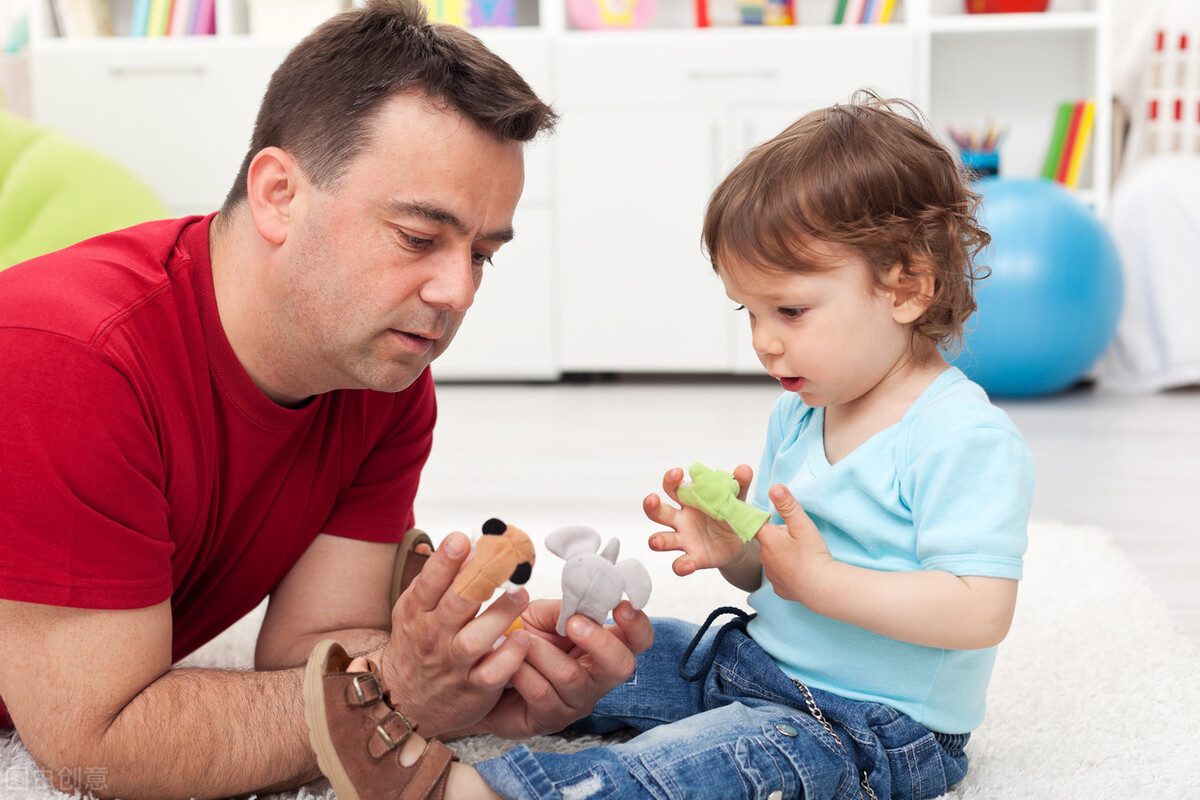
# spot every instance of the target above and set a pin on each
(588, 452)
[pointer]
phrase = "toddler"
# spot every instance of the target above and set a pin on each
(888, 573)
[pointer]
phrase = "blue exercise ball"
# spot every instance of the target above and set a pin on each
(1050, 307)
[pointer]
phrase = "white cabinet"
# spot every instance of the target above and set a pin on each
(607, 272)
(178, 114)
(652, 121)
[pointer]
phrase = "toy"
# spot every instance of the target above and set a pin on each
(1051, 305)
(503, 555)
(593, 581)
(594, 14)
(715, 492)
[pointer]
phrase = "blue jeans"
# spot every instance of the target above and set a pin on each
(741, 729)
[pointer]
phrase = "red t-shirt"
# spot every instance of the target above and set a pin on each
(139, 462)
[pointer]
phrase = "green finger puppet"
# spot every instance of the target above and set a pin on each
(715, 492)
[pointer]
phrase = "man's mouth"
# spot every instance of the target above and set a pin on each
(416, 343)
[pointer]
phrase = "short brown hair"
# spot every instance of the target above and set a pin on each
(864, 176)
(322, 99)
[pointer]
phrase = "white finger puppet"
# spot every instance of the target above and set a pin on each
(592, 581)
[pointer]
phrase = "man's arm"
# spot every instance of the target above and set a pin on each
(92, 689)
(337, 590)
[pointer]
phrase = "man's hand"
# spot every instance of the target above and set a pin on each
(440, 665)
(705, 542)
(563, 677)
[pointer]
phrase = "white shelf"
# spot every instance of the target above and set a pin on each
(1051, 22)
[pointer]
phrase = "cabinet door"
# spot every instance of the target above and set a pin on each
(178, 116)
(636, 293)
(509, 332)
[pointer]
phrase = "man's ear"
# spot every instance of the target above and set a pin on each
(911, 291)
(271, 185)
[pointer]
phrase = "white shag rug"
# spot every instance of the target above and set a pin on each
(1095, 693)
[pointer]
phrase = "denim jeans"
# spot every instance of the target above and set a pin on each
(740, 730)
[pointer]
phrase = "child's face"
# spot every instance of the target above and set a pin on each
(831, 335)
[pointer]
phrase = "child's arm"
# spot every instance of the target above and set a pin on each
(925, 607)
(705, 542)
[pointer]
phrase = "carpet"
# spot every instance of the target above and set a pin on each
(1094, 693)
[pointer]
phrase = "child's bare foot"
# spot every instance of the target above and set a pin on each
(368, 749)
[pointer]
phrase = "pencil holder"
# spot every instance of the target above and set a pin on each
(980, 163)
(1006, 6)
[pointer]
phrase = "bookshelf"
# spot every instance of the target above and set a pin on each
(668, 108)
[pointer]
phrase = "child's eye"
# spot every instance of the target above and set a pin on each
(792, 313)
(740, 308)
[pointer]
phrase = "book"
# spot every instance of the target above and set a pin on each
(181, 17)
(140, 18)
(1069, 142)
(204, 18)
(160, 13)
(868, 12)
(1082, 138)
(885, 14)
(1062, 119)
(854, 12)
(839, 13)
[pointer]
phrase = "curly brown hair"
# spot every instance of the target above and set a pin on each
(869, 176)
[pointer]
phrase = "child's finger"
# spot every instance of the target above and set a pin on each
(744, 476)
(786, 505)
(655, 511)
(672, 480)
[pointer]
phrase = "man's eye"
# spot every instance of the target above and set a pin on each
(415, 241)
(481, 258)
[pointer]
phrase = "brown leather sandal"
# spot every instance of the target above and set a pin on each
(357, 734)
(408, 561)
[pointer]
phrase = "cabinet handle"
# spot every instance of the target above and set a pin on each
(732, 74)
(157, 69)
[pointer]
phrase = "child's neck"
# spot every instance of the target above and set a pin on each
(849, 425)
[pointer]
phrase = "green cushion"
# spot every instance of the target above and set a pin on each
(55, 192)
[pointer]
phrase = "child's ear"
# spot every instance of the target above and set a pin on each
(910, 291)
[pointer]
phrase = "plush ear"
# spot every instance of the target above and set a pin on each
(611, 550)
(637, 581)
(573, 540)
(911, 291)
(271, 184)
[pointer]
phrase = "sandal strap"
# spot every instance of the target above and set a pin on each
(390, 732)
(427, 776)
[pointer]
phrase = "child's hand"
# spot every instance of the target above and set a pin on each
(705, 542)
(794, 552)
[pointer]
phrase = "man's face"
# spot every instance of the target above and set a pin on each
(385, 265)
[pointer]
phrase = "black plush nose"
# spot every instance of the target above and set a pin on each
(521, 574)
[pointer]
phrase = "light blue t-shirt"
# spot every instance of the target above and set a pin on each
(947, 488)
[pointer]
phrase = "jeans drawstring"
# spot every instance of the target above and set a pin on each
(742, 619)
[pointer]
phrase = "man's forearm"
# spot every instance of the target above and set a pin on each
(198, 733)
(281, 654)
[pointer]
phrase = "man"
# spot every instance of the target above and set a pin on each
(202, 412)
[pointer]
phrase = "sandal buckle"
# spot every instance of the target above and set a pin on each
(386, 726)
(366, 688)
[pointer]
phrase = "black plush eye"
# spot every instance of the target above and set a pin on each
(494, 527)
(521, 574)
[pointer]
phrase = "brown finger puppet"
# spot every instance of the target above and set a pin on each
(503, 558)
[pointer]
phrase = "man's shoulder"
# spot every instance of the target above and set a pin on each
(77, 291)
